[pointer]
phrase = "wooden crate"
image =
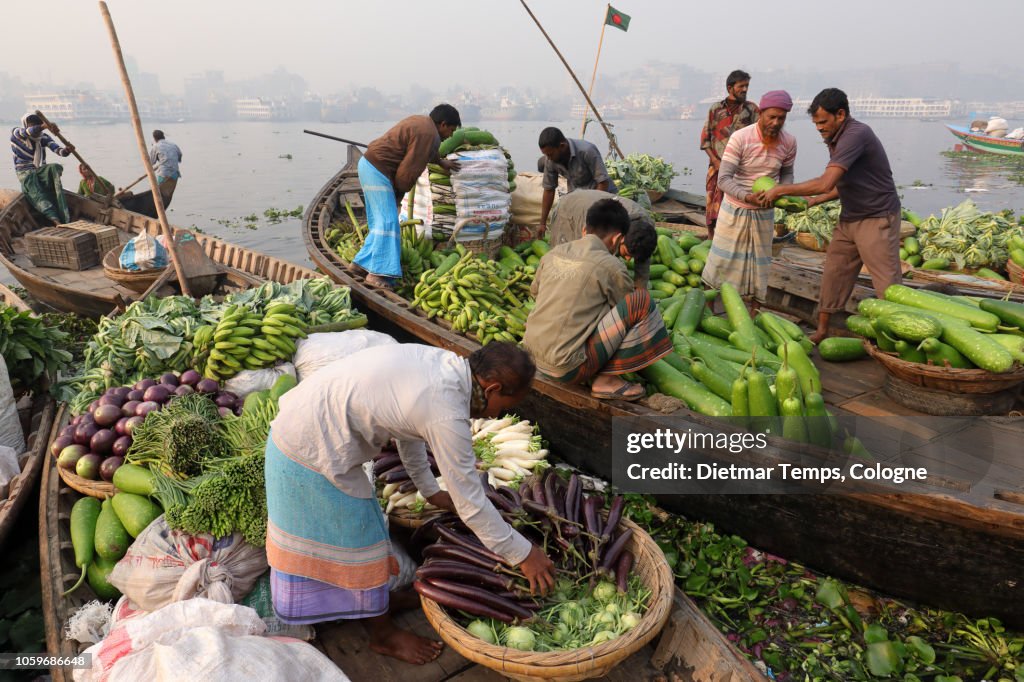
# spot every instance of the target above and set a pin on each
(60, 247)
(106, 235)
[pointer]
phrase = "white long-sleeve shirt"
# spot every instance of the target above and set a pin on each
(341, 417)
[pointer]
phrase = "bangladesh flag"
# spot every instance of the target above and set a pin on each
(617, 19)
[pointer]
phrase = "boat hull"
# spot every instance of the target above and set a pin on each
(985, 143)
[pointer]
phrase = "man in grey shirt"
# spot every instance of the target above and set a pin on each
(569, 217)
(578, 160)
(165, 157)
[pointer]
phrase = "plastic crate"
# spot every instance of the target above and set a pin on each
(61, 247)
(106, 235)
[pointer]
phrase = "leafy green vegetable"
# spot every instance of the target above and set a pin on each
(178, 439)
(32, 349)
(637, 173)
(968, 236)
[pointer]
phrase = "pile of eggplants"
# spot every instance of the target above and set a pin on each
(388, 468)
(571, 527)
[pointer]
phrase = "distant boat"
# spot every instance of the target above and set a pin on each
(980, 142)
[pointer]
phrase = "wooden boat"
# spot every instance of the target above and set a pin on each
(961, 548)
(36, 422)
(89, 292)
(690, 642)
(980, 142)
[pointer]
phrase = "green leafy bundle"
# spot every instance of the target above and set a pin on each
(637, 173)
(180, 438)
(31, 348)
(968, 236)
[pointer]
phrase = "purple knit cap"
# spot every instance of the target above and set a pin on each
(776, 99)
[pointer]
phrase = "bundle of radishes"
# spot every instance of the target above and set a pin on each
(507, 450)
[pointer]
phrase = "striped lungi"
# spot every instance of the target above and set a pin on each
(382, 251)
(329, 553)
(741, 252)
(628, 338)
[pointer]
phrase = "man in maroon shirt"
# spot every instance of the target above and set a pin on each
(868, 232)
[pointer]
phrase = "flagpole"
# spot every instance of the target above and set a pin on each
(607, 131)
(593, 77)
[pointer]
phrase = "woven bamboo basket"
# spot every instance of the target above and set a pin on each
(1015, 272)
(576, 664)
(809, 242)
(964, 381)
(136, 280)
(946, 403)
(100, 489)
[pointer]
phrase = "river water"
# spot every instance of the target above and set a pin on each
(232, 170)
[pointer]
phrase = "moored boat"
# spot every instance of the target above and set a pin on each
(38, 418)
(960, 547)
(981, 142)
(90, 292)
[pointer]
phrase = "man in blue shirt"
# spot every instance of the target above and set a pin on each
(40, 181)
(578, 161)
(165, 157)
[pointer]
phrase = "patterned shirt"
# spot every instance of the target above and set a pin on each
(585, 169)
(25, 142)
(165, 157)
(747, 158)
(725, 118)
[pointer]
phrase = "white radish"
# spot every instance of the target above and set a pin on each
(506, 436)
(389, 490)
(512, 450)
(521, 427)
(502, 474)
(512, 466)
(526, 465)
(494, 426)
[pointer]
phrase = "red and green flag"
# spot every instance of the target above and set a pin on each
(617, 19)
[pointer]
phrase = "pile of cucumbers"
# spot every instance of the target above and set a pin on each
(677, 263)
(956, 332)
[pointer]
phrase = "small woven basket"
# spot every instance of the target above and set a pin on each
(810, 242)
(950, 379)
(99, 489)
(1015, 272)
(576, 664)
(136, 280)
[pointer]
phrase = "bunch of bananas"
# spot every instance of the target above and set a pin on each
(243, 339)
(416, 250)
(477, 296)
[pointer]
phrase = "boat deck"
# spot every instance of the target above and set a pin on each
(92, 280)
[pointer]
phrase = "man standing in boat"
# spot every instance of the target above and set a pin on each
(388, 170)
(569, 218)
(578, 161)
(40, 181)
(741, 252)
(868, 232)
(165, 157)
(724, 118)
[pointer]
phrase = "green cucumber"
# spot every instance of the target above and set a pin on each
(677, 362)
(657, 271)
(131, 478)
(541, 247)
(1011, 314)
(661, 285)
(935, 264)
(1017, 256)
(740, 405)
(716, 326)
(910, 326)
(943, 355)
(979, 348)
(985, 273)
(787, 383)
(689, 316)
(672, 312)
(1012, 343)
(673, 277)
(716, 341)
(928, 300)
(135, 512)
(111, 538)
(84, 515)
(909, 352)
(99, 579)
(714, 382)
(682, 345)
(860, 326)
(914, 259)
(840, 349)
(794, 427)
(681, 266)
(903, 254)
(819, 430)
(676, 384)
(688, 240)
(664, 250)
(760, 401)
(706, 352)
(912, 245)
(810, 379)
(739, 318)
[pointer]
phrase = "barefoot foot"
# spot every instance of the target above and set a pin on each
(388, 640)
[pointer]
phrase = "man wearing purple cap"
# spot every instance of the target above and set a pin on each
(741, 251)
(724, 118)
(868, 232)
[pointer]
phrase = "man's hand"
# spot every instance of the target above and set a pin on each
(67, 150)
(716, 162)
(450, 166)
(541, 229)
(442, 500)
(539, 571)
(768, 197)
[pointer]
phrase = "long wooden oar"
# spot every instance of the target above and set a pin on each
(332, 137)
(125, 189)
(60, 136)
(158, 200)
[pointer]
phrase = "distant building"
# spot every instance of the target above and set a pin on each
(262, 109)
(895, 107)
(76, 105)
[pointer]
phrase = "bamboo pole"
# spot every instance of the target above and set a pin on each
(607, 131)
(593, 76)
(158, 200)
(125, 189)
(60, 136)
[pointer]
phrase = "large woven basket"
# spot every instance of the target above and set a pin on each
(946, 378)
(576, 664)
(810, 242)
(100, 489)
(136, 280)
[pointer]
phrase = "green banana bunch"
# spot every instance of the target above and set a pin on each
(229, 349)
(282, 323)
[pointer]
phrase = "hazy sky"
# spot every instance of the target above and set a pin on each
(393, 44)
